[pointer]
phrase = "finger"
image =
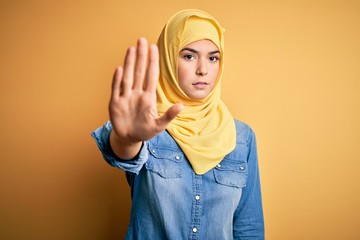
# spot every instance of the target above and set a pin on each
(153, 70)
(128, 72)
(141, 62)
(169, 115)
(116, 83)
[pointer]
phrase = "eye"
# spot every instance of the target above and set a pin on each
(213, 59)
(189, 57)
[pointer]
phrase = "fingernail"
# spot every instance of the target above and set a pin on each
(142, 39)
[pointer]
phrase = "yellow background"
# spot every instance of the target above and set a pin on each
(292, 72)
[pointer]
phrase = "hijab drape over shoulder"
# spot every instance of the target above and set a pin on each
(205, 128)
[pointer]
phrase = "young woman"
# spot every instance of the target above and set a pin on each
(192, 168)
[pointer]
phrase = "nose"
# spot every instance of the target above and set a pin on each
(201, 69)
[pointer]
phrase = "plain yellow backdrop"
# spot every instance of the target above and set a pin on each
(292, 72)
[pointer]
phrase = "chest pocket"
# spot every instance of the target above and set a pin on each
(232, 171)
(164, 162)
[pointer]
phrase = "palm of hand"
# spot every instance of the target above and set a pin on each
(132, 106)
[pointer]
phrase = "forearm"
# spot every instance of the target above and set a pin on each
(123, 149)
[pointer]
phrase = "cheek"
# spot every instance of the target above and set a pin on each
(180, 73)
(183, 72)
(215, 72)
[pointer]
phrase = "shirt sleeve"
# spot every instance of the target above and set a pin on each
(101, 136)
(248, 219)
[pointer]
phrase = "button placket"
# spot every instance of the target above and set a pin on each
(196, 211)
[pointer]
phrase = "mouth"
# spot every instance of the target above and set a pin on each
(200, 85)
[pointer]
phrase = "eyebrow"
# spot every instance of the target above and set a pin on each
(195, 51)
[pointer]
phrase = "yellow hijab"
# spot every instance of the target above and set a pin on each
(204, 129)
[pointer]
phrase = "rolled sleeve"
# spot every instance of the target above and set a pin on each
(101, 136)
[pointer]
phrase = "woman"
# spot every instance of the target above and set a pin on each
(192, 168)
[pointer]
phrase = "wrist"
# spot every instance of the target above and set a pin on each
(123, 148)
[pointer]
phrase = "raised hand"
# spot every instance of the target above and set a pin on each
(132, 107)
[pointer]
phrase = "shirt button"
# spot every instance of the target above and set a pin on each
(194, 230)
(153, 151)
(242, 168)
(197, 197)
(177, 157)
(219, 165)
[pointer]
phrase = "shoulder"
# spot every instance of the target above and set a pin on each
(244, 133)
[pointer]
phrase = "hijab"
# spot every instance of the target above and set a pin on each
(204, 129)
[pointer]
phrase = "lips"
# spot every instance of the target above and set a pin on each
(200, 85)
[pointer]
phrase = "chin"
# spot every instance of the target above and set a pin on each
(198, 97)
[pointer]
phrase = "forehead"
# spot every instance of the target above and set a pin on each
(202, 45)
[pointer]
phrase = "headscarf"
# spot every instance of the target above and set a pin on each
(204, 129)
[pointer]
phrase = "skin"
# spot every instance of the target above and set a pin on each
(198, 68)
(132, 107)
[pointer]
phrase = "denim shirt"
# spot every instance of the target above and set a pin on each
(170, 201)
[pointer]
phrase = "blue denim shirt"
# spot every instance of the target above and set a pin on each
(170, 201)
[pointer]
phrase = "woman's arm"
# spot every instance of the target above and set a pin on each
(248, 219)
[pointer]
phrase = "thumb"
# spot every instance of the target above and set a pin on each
(169, 115)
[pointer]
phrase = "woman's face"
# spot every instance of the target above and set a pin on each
(198, 68)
